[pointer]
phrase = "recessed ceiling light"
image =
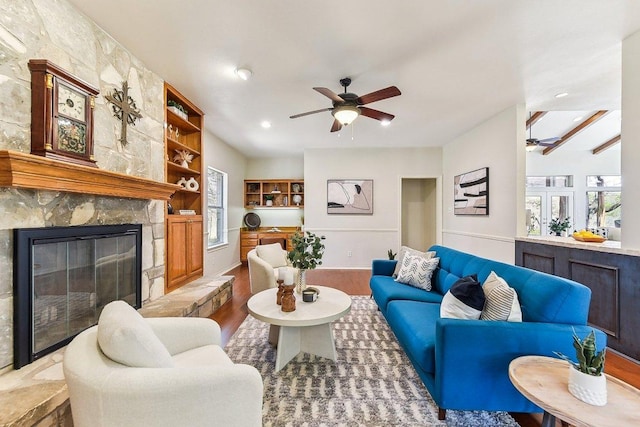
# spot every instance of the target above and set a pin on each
(265, 124)
(244, 73)
(561, 94)
(385, 122)
(577, 119)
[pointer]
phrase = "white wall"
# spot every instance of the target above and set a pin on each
(498, 143)
(223, 157)
(630, 136)
(576, 163)
(366, 236)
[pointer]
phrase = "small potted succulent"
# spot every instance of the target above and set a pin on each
(559, 226)
(269, 199)
(306, 254)
(587, 381)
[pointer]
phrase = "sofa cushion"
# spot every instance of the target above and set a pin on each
(501, 300)
(413, 323)
(125, 337)
(385, 290)
(464, 300)
(404, 250)
(416, 271)
(272, 254)
(207, 355)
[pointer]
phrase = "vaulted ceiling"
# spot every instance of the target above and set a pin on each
(457, 62)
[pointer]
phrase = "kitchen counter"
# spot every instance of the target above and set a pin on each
(609, 246)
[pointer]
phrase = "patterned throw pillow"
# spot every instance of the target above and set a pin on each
(417, 271)
(502, 300)
(405, 250)
(464, 300)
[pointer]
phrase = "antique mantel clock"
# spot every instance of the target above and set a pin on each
(61, 114)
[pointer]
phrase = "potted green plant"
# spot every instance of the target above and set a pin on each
(391, 255)
(559, 226)
(269, 199)
(306, 254)
(587, 381)
(178, 109)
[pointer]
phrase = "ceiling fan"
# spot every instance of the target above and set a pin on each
(532, 143)
(348, 106)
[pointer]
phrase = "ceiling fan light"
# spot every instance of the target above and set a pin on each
(531, 146)
(346, 114)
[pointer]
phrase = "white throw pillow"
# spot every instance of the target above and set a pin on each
(417, 271)
(502, 300)
(125, 337)
(273, 254)
(404, 250)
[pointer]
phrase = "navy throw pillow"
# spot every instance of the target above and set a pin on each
(465, 299)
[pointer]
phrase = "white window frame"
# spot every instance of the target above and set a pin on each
(222, 228)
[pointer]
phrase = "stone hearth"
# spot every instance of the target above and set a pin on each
(37, 394)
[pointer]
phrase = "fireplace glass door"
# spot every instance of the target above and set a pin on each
(63, 278)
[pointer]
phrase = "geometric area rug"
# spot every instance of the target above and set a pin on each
(371, 384)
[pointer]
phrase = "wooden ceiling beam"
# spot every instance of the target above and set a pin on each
(610, 143)
(534, 118)
(567, 136)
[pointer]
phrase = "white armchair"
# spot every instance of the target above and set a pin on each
(168, 371)
(263, 262)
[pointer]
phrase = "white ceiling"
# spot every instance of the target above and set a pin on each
(457, 62)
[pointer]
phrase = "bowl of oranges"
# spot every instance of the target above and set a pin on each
(587, 236)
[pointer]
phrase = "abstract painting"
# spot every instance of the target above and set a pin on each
(471, 193)
(350, 196)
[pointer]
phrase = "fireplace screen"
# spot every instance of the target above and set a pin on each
(65, 276)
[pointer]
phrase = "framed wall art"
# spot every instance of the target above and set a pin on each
(471, 193)
(350, 196)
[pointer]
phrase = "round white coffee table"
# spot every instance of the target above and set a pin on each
(307, 329)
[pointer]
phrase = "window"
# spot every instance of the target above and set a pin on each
(216, 207)
(604, 207)
(550, 181)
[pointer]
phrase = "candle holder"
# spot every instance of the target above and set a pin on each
(288, 299)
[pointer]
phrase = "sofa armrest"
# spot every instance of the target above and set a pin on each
(383, 267)
(179, 334)
(223, 395)
(470, 354)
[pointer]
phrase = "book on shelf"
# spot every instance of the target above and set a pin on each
(186, 212)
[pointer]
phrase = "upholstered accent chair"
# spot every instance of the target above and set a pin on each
(264, 262)
(170, 371)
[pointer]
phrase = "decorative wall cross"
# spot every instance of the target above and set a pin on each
(124, 108)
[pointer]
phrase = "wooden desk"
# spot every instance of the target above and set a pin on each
(249, 239)
(544, 381)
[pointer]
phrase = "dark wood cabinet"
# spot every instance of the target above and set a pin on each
(614, 280)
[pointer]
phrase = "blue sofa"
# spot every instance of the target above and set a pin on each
(464, 363)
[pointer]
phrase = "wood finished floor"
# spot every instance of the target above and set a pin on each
(356, 282)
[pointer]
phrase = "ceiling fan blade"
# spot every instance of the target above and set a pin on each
(375, 114)
(336, 126)
(378, 95)
(329, 94)
(295, 116)
(549, 141)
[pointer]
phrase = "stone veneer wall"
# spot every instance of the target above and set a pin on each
(54, 30)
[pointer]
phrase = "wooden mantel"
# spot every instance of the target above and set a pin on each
(23, 170)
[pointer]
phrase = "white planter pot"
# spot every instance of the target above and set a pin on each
(269, 202)
(588, 388)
